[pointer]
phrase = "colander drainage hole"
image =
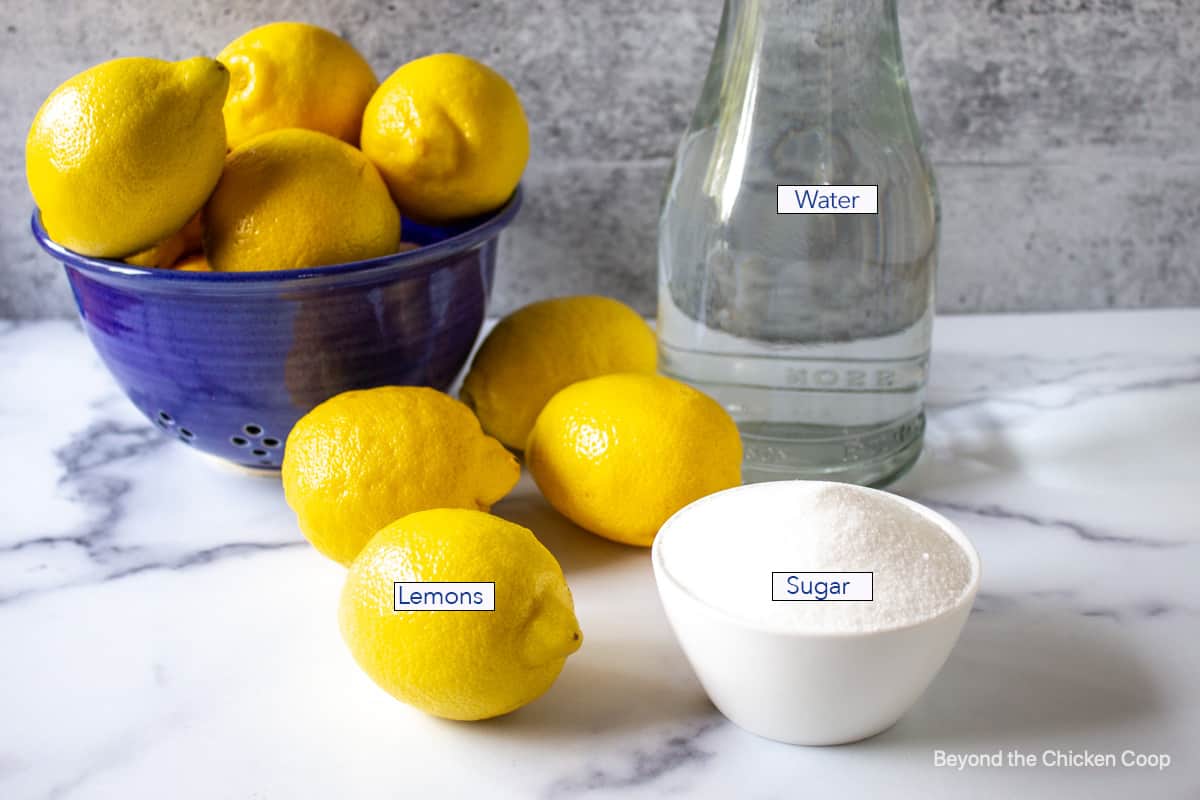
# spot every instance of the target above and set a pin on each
(270, 441)
(258, 451)
(239, 441)
(185, 433)
(252, 430)
(165, 419)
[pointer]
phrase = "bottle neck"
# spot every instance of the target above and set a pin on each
(817, 39)
(816, 85)
(810, 60)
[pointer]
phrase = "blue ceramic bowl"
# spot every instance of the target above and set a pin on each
(227, 362)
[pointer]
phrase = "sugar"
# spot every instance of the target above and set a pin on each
(724, 548)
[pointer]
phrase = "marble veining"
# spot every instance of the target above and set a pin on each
(642, 767)
(169, 633)
(83, 460)
(1088, 534)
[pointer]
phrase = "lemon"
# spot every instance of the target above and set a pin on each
(619, 454)
(456, 664)
(196, 262)
(120, 156)
(294, 198)
(546, 346)
(365, 458)
(294, 75)
(164, 255)
(449, 136)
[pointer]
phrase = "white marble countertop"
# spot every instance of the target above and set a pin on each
(167, 633)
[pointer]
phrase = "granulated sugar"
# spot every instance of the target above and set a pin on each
(727, 546)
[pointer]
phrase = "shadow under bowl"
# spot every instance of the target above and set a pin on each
(227, 362)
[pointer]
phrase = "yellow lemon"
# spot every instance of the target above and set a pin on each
(123, 154)
(546, 346)
(187, 240)
(365, 458)
(196, 262)
(295, 75)
(294, 198)
(449, 136)
(619, 454)
(454, 664)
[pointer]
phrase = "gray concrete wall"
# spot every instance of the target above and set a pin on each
(1064, 132)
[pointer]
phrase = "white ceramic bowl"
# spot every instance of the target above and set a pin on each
(807, 688)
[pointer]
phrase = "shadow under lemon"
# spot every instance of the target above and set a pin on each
(577, 550)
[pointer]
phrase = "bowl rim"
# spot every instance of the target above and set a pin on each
(967, 598)
(429, 257)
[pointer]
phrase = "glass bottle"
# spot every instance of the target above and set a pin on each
(812, 330)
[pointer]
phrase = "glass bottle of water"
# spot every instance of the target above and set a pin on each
(812, 329)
